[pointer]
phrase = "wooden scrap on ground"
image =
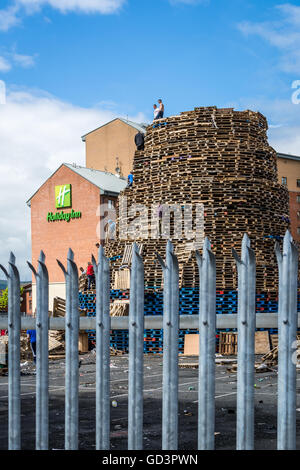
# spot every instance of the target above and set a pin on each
(262, 342)
(271, 357)
(188, 365)
(191, 345)
(56, 342)
(116, 352)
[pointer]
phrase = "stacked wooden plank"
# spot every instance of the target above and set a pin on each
(56, 342)
(219, 158)
(119, 308)
(59, 308)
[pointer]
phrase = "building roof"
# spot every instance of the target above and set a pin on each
(107, 182)
(139, 127)
(288, 156)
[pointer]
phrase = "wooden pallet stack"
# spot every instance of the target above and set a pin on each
(219, 158)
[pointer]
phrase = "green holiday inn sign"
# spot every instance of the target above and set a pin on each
(63, 200)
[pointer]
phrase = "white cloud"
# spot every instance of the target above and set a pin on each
(10, 59)
(24, 61)
(37, 133)
(9, 17)
(5, 66)
(283, 34)
(85, 6)
(12, 15)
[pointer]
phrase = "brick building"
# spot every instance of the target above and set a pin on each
(289, 175)
(65, 213)
(111, 147)
(26, 303)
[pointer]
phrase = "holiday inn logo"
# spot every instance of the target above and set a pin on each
(63, 200)
(63, 196)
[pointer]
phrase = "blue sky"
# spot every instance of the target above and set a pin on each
(189, 53)
(68, 66)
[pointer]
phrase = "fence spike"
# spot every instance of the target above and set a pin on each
(4, 271)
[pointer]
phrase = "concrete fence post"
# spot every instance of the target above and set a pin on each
(207, 348)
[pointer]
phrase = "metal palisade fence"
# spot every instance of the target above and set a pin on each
(206, 322)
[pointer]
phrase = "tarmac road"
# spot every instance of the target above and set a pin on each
(225, 438)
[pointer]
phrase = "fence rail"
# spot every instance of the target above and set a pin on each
(246, 321)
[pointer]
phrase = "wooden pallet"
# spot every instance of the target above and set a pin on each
(59, 307)
(122, 279)
(119, 308)
(228, 344)
(116, 352)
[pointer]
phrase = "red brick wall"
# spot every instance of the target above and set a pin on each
(294, 209)
(55, 238)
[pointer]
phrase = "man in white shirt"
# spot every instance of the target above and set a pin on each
(156, 111)
(161, 110)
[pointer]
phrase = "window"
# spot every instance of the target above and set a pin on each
(298, 230)
(284, 180)
(110, 204)
(298, 183)
(298, 199)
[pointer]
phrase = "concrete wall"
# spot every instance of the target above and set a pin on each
(111, 146)
(56, 289)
